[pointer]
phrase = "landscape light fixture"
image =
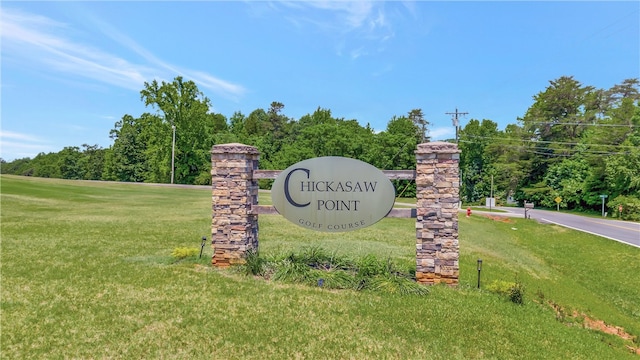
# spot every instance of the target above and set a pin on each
(479, 270)
(204, 239)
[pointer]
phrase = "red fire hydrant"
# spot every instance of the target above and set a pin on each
(468, 211)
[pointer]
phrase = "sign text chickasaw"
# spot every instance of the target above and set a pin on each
(333, 194)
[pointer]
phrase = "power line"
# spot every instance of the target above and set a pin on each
(615, 22)
(542, 141)
(570, 155)
(535, 151)
(584, 124)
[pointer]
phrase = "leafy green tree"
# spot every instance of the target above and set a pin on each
(394, 149)
(182, 105)
(511, 162)
(421, 124)
(273, 128)
(319, 134)
(47, 165)
(630, 207)
(566, 178)
(155, 138)
(277, 122)
(574, 141)
(398, 144)
(562, 103)
(92, 161)
(568, 134)
(70, 163)
(628, 89)
(610, 146)
(477, 162)
(126, 160)
(218, 123)
(236, 124)
(256, 123)
(622, 169)
(21, 166)
(556, 121)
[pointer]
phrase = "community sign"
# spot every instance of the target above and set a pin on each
(333, 194)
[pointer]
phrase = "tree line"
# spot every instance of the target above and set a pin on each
(574, 143)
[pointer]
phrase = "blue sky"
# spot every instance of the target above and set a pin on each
(70, 70)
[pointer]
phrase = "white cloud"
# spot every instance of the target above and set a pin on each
(213, 83)
(203, 79)
(15, 145)
(32, 38)
(356, 53)
(16, 136)
(442, 133)
(358, 24)
(379, 21)
(354, 14)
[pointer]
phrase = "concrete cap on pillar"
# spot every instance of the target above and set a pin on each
(437, 147)
(234, 148)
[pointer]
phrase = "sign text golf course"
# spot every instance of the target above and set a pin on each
(333, 194)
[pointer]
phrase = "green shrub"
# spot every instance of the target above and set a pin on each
(500, 287)
(514, 291)
(254, 264)
(630, 207)
(314, 256)
(335, 279)
(371, 266)
(315, 267)
(184, 252)
(318, 258)
(289, 270)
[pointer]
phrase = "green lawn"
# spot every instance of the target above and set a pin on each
(87, 272)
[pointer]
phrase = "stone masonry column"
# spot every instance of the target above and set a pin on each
(437, 191)
(234, 227)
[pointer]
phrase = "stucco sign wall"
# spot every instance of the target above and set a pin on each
(333, 194)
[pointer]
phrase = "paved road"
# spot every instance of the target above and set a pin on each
(623, 231)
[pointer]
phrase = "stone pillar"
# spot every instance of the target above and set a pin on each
(437, 190)
(234, 227)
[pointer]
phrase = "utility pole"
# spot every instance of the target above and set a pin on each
(173, 151)
(454, 119)
(491, 198)
(456, 123)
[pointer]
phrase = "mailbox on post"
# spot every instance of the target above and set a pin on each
(527, 207)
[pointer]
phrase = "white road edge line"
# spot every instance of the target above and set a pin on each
(589, 232)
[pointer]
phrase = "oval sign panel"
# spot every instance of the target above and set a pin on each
(333, 194)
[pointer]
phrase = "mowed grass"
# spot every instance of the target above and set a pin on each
(86, 272)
